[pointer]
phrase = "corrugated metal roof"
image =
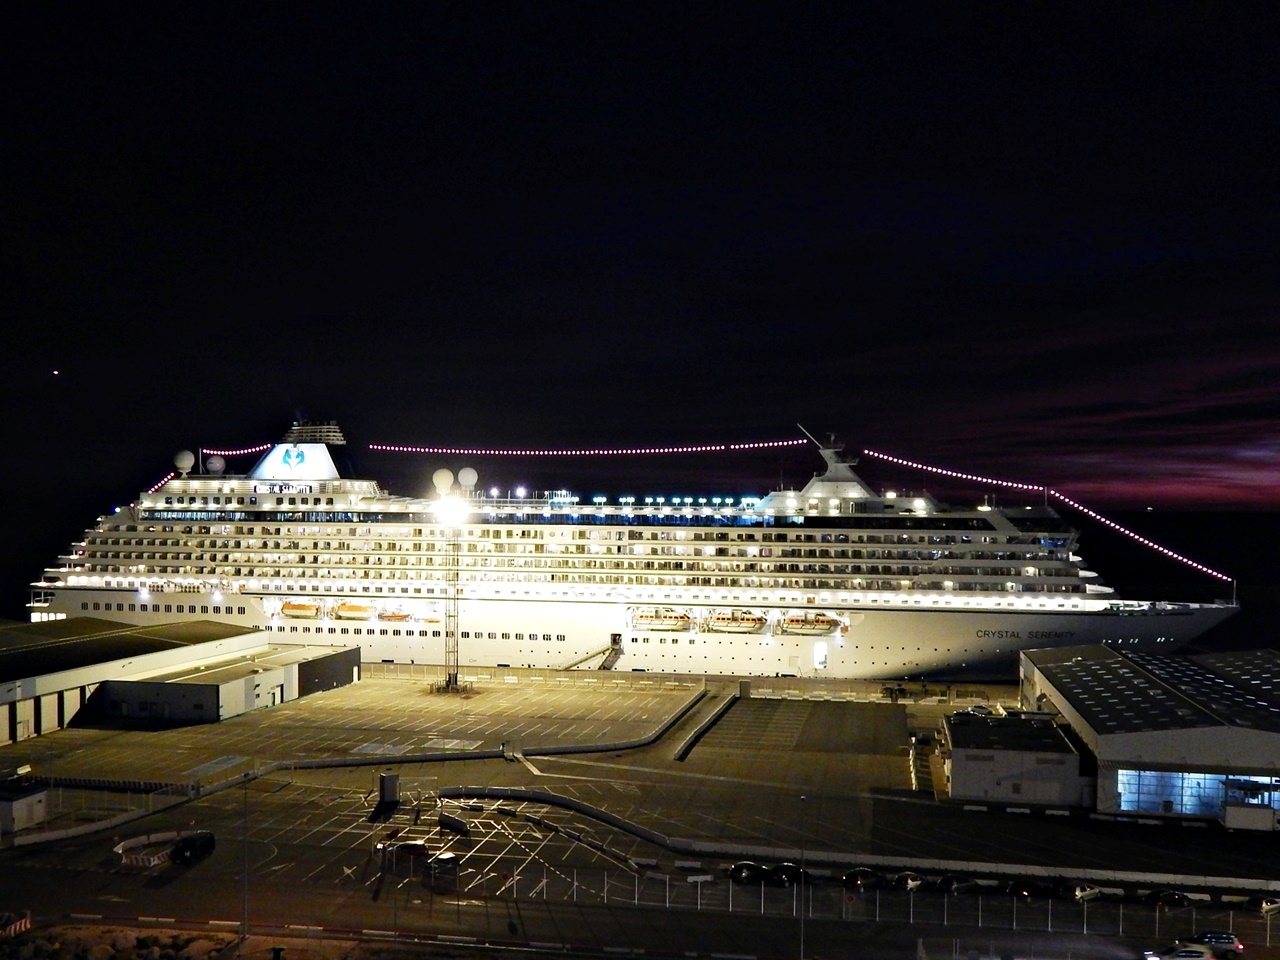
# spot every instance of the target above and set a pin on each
(1121, 692)
(36, 649)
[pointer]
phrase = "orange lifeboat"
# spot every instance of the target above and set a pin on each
(661, 618)
(735, 621)
(810, 624)
(300, 611)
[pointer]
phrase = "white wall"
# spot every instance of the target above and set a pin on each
(1015, 776)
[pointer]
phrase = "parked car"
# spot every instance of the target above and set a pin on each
(1180, 951)
(1080, 892)
(747, 871)
(955, 884)
(1028, 889)
(194, 846)
(907, 880)
(1261, 904)
(1166, 898)
(861, 878)
(787, 874)
(1224, 943)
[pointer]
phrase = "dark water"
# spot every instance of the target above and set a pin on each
(1240, 545)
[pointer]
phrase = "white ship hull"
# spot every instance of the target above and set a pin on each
(879, 642)
(832, 580)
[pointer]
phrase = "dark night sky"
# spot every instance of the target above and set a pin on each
(1012, 239)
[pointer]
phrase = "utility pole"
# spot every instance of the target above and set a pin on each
(244, 833)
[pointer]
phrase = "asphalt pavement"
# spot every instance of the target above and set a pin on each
(588, 847)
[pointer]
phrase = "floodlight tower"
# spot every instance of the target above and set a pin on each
(452, 511)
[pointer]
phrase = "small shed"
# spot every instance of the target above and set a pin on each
(1012, 759)
(22, 804)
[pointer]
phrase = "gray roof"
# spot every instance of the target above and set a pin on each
(244, 665)
(37, 649)
(1120, 692)
(967, 731)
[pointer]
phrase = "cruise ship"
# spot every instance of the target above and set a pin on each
(832, 580)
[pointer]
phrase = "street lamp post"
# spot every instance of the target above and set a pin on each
(244, 831)
(802, 908)
(451, 511)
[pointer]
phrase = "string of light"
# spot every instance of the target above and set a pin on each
(950, 473)
(1139, 538)
(167, 477)
(587, 452)
(1092, 514)
(235, 453)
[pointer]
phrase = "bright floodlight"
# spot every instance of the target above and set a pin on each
(451, 510)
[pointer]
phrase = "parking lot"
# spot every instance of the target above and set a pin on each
(823, 781)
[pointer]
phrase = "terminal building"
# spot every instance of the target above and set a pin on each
(1013, 760)
(1195, 737)
(62, 672)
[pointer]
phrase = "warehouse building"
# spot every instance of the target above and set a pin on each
(83, 669)
(1181, 737)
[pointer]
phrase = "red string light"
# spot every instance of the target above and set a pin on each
(169, 476)
(592, 452)
(235, 453)
(951, 473)
(1138, 537)
(1150, 544)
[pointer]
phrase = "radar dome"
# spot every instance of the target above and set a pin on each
(443, 480)
(468, 477)
(215, 465)
(184, 460)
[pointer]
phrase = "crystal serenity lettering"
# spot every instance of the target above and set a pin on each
(1031, 634)
(282, 488)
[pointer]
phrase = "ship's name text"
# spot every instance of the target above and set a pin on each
(282, 488)
(1031, 634)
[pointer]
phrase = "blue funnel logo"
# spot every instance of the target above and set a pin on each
(293, 458)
